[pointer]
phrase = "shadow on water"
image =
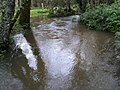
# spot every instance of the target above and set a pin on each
(21, 68)
(30, 79)
(63, 56)
(17, 72)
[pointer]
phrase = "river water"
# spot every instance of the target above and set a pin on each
(61, 55)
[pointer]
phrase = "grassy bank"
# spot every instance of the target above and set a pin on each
(38, 12)
(60, 12)
(54, 12)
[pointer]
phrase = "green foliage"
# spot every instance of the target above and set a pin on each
(38, 12)
(60, 12)
(103, 17)
(18, 29)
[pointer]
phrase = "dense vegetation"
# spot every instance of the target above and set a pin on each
(103, 17)
(60, 12)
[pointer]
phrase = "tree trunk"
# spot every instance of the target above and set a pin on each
(6, 18)
(7, 8)
(69, 8)
(24, 18)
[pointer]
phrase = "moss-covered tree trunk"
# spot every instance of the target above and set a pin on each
(24, 18)
(6, 18)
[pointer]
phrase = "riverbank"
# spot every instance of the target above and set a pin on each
(104, 18)
(38, 12)
(54, 12)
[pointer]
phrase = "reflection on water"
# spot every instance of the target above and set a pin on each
(7, 80)
(22, 44)
(67, 57)
(30, 79)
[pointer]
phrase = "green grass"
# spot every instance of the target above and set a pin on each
(38, 12)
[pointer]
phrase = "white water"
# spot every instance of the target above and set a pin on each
(22, 44)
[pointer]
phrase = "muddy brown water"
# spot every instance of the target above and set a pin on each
(68, 57)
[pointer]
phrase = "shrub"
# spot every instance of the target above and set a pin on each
(60, 12)
(103, 17)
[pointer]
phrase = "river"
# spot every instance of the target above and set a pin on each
(62, 54)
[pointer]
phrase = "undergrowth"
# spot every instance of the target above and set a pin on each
(60, 12)
(103, 17)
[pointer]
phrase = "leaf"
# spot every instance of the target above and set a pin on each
(117, 33)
